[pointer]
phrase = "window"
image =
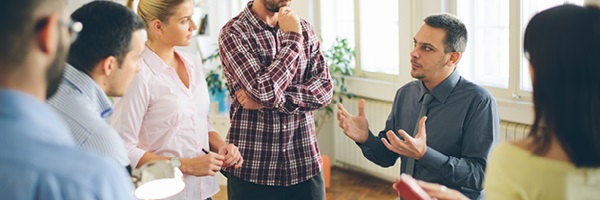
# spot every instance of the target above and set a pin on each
(382, 33)
(373, 29)
(485, 60)
(494, 56)
(338, 17)
(530, 8)
(379, 50)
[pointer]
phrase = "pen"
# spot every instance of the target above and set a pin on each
(222, 171)
(206, 152)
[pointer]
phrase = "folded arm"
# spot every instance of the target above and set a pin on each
(264, 84)
(317, 89)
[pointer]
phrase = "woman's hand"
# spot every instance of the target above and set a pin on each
(206, 165)
(441, 192)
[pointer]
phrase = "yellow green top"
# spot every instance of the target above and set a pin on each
(514, 173)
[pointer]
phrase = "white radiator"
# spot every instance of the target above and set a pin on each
(510, 131)
(348, 154)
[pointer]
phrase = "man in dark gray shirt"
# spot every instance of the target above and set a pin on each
(461, 118)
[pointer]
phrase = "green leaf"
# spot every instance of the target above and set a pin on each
(329, 110)
(340, 57)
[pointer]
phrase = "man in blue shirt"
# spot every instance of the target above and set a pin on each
(462, 119)
(103, 61)
(38, 158)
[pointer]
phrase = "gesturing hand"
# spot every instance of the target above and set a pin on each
(356, 127)
(411, 147)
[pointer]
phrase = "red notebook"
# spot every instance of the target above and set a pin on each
(408, 189)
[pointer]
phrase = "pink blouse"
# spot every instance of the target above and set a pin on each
(158, 114)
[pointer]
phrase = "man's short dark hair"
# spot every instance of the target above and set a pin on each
(108, 28)
(456, 32)
(21, 20)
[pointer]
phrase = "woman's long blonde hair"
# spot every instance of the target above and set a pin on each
(150, 10)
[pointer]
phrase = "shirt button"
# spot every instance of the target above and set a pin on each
(284, 126)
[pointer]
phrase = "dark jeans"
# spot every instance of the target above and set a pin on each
(311, 189)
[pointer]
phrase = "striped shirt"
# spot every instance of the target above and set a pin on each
(39, 160)
(85, 108)
(287, 74)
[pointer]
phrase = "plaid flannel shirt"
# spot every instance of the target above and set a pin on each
(287, 74)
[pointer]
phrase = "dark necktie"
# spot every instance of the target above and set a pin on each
(410, 162)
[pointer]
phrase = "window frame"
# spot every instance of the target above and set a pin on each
(404, 19)
(514, 104)
(513, 93)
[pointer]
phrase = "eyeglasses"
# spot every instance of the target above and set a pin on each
(74, 27)
(526, 54)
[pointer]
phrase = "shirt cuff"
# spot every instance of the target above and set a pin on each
(433, 160)
(371, 142)
(293, 37)
(135, 155)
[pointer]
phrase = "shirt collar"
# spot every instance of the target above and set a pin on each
(157, 65)
(253, 18)
(83, 83)
(443, 90)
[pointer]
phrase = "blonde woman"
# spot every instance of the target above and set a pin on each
(164, 115)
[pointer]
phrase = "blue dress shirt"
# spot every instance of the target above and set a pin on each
(38, 158)
(462, 126)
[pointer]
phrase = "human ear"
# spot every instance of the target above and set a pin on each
(47, 34)
(107, 65)
(156, 26)
(454, 58)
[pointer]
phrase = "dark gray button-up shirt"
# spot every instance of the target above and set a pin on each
(462, 127)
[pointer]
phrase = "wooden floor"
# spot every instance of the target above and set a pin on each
(348, 185)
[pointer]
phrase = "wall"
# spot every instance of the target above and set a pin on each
(73, 5)
(304, 9)
(326, 135)
(595, 2)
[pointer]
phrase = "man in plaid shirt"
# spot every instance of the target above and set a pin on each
(277, 76)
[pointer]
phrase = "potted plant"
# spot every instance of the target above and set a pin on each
(339, 58)
(215, 81)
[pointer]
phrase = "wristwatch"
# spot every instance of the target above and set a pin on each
(175, 162)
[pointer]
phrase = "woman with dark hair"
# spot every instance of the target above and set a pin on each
(560, 159)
